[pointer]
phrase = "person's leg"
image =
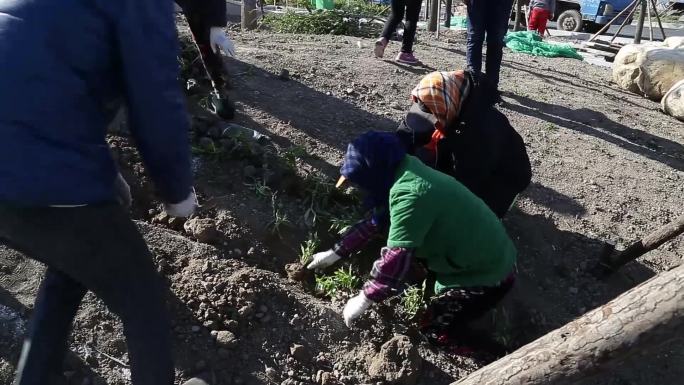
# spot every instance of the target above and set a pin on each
(477, 12)
(449, 313)
(213, 65)
(412, 15)
(543, 19)
(533, 22)
(396, 16)
(46, 344)
(496, 26)
(101, 248)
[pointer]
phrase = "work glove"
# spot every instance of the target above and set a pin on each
(218, 40)
(323, 259)
(123, 191)
(184, 208)
(355, 307)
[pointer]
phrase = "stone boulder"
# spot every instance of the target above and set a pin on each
(650, 69)
(397, 363)
(674, 42)
(673, 101)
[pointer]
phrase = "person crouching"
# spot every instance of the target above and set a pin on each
(434, 220)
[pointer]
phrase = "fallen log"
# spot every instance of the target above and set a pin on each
(612, 260)
(639, 320)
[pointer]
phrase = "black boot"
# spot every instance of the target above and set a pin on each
(222, 105)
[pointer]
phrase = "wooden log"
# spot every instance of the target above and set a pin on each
(248, 14)
(639, 320)
(612, 261)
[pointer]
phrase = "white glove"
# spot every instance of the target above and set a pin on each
(184, 208)
(123, 191)
(323, 259)
(218, 40)
(355, 307)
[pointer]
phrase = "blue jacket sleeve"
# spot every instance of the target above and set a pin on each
(148, 49)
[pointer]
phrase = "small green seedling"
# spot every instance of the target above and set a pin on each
(551, 127)
(343, 221)
(341, 281)
(212, 153)
(291, 154)
(308, 248)
(260, 188)
(412, 301)
(318, 189)
(280, 219)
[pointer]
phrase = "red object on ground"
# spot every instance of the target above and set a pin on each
(538, 19)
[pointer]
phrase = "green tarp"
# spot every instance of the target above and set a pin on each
(531, 43)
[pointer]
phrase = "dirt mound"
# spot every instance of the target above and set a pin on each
(233, 324)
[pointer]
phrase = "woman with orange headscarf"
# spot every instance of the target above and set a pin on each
(454, 127)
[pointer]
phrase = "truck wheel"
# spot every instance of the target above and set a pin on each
(570, 20)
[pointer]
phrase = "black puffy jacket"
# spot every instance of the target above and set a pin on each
(481, 150)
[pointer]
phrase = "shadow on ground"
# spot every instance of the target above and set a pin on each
(320, 116)
(598, 125)
(556, 282)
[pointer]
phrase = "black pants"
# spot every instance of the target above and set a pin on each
(96, 248)
(448, 315)
(412, 9)
(490, 18)
(213, 63)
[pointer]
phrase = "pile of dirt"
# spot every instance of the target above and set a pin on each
(233, 324)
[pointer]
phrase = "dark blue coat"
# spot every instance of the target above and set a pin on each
(65, 67)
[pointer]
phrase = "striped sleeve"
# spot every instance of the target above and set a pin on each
(356, 238)
(389, 271)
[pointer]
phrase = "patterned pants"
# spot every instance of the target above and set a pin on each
(449, 313)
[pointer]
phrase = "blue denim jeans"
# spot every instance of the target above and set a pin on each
(490, 18)
(96, 248)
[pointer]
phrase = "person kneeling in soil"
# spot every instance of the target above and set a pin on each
(433, 219)
(454, 127)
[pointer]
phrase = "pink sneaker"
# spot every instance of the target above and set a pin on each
(380, 46)
(408, 58)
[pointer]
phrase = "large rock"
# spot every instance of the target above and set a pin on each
(650, 69)
(397, 363)
(673, 101)
(675, 42)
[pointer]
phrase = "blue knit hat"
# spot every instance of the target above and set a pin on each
(371, 162)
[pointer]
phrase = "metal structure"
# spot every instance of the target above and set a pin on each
(646, 6)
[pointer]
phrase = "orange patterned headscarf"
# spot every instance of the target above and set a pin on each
(443, 94)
